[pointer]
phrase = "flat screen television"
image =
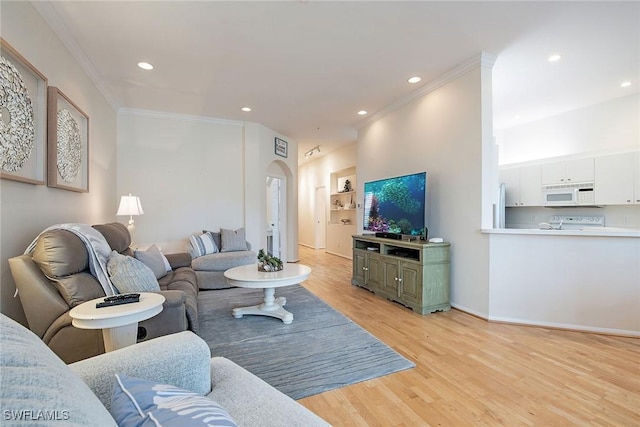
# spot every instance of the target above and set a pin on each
(396, 205)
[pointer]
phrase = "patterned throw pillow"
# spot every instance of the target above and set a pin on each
(233, 240)
(138, 402)
(130, 275)
(203, 244)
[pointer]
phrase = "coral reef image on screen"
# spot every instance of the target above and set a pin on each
(396, 205)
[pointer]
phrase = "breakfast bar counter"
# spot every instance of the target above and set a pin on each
(573, 279)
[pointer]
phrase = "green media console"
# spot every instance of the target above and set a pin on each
(413, 273)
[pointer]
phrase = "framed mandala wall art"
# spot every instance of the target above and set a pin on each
(68, 144)
(23, 118)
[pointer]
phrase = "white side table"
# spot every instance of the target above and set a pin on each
(119, 323)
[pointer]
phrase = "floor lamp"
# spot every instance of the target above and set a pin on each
(130, 205)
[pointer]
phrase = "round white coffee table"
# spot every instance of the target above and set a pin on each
(119, 323)
(248, 276)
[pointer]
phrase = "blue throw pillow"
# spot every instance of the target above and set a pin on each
(138, 402)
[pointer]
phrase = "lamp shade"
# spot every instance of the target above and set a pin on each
(130, 205)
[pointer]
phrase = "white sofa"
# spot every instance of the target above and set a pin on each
(36, 383)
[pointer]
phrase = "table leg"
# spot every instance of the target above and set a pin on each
(271, 306)
(119, 337)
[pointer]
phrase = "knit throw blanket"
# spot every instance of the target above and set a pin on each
(97, 247)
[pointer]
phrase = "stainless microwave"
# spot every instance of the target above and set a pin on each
(581, 194)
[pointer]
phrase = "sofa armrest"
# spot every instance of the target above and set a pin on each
(173, 298)
(234, 387)
(172, 318)
(182, 259)
(182, 360)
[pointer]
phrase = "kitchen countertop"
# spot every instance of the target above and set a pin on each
(587, 231)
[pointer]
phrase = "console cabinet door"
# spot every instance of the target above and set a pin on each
(390, 282)
(410, 288)
(374, 271)
(359, 267)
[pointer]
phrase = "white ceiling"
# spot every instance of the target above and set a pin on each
(307, 67)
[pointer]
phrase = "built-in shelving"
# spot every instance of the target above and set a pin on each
(342, 212)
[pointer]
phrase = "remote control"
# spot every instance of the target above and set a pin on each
(122, 297)
(127, 300)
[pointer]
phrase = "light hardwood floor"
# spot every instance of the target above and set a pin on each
(470, 372)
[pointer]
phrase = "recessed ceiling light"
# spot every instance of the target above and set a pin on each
(362, 112)
(145, 65)
(625, 84)
(414, 80)
(246, 109)
(554, 58)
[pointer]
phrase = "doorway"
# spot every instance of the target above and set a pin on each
(321, 218)
(274, 216)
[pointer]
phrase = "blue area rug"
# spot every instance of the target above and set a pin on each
(321, 350)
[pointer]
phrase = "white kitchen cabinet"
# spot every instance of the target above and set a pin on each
(568, 171)
(522, 186)
(614, 179)
(511, 180)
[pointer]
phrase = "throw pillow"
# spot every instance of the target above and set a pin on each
(216, 237)
(138, 402)
(203, 244)
(233, 240)
(130, 275)
(153, 259)
(167, 264)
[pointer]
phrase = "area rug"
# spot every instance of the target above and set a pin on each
(321, 350)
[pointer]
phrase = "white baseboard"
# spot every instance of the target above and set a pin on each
(566, 326)
(470, 311)
(550, 325)
(337, 254)
(306, 246)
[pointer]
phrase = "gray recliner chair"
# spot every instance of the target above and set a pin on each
(56, 277)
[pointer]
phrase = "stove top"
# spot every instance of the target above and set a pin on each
(575, 222)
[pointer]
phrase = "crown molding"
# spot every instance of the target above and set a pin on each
(135, 112)
(56, 23)
(483, 59)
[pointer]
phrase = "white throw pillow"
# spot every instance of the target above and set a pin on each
(203, 244)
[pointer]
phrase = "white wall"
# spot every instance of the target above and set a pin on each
(259, 160)
(441, 133)
(26, 209)
(604, 127)
(312, 175)
(187, 172)
(194, 173)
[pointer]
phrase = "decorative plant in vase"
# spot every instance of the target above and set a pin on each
(267, 262)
